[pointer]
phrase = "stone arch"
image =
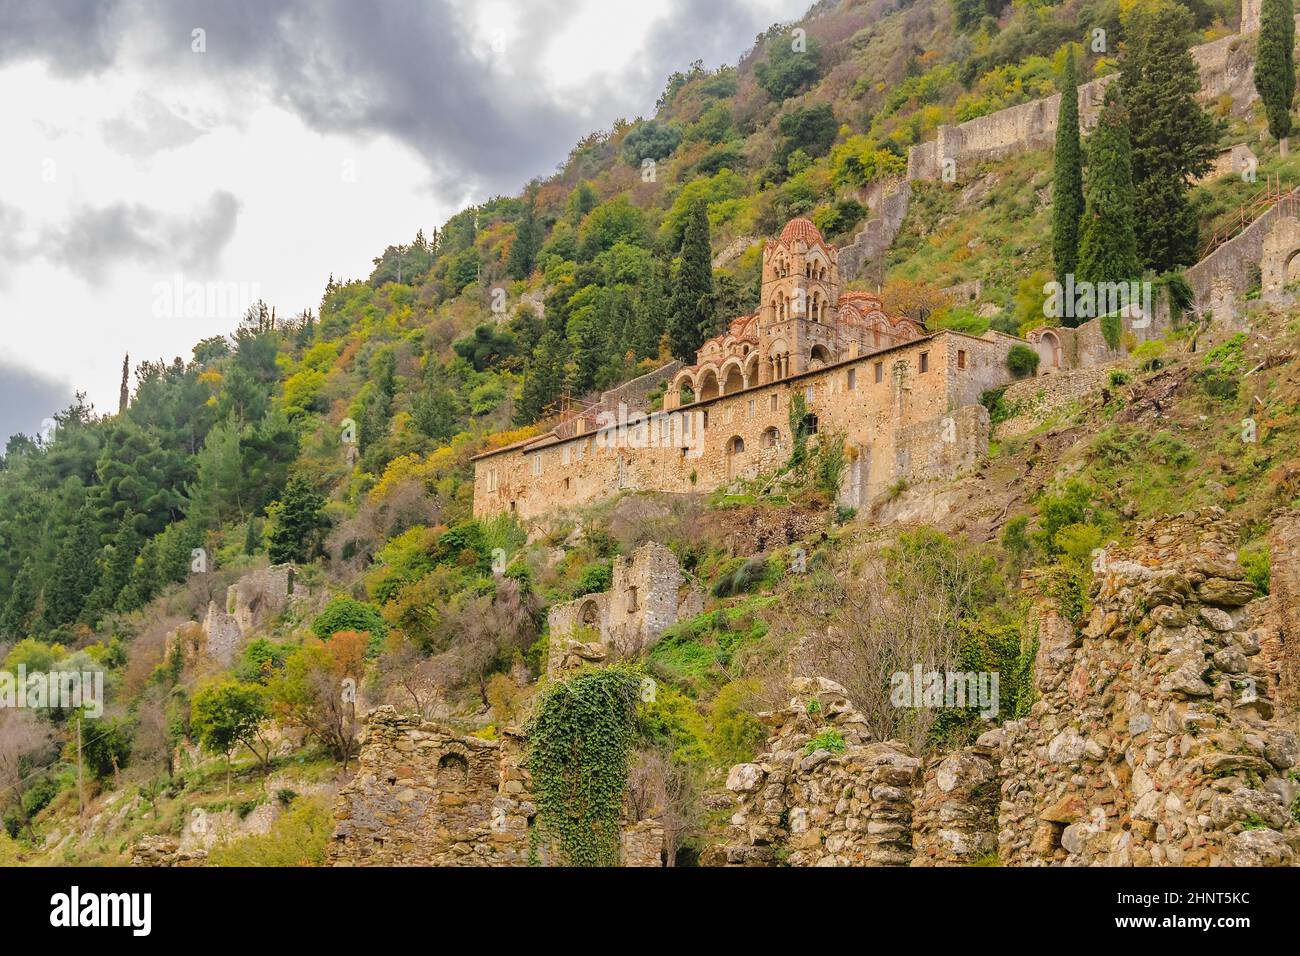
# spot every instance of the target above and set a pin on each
(819, 356)
(771, 437)
(1048, 347)
(751, 368)
(589, 615)
(682, 384)
(453, 771)
(707, 383)
(1291, 268)
(733, 376)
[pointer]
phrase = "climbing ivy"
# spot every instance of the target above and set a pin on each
(579, 743)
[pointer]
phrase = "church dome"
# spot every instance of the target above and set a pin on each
(802, 230)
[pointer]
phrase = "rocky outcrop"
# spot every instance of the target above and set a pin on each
(824, 793)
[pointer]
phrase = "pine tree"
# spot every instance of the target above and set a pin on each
(297, 521)
(124, 391)
(1173, 139)
(1108, 240)
(1275, 64)
(651, 311)
(1067, 189)
(691, 318)
(76, 571)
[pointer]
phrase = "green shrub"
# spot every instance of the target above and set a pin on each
(1022, 361)
(298, 837)
(348, 614)
(831, 740)
(1255, 560)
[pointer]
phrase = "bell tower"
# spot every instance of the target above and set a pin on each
(800, 290)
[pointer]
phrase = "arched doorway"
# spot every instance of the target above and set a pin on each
(735, 456)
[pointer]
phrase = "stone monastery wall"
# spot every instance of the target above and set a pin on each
(898, 422)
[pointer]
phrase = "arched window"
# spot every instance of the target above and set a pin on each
(589, 616)
(736, 445)
(771, 437)
(453, 771)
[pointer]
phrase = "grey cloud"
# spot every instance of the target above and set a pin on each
(407, 70)
(27, 398)
(148, 127)
(96, 238)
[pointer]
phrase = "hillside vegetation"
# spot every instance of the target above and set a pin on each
(340, 440)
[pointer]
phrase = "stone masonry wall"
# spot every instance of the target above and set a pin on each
(426, 797)
(1226, 68)
(874, 401)
(1152, 742)
(648, 594)
(819, 808)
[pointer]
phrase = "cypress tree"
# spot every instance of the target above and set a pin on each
(1173, 139)
(542, 380)
(651, 311)
(523, 251)
(1275, 64)
(1067, 189)
(1108, 240)
(691, 318)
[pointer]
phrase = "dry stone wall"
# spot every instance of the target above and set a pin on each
(1153, 741)
(806, 805)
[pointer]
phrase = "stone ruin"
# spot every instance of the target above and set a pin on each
(1157, 737)
(805, 805)
(257, 598)
(648, 594)
(1154, 741)
(426, 796)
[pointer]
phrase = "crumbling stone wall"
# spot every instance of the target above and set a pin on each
(1284, 617)
(426, 797)
(1152, 742)
(820, 808)
(648, 594)
(955, 818)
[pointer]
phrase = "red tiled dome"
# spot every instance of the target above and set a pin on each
(801, 229)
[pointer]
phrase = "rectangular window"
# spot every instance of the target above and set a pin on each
(925, 362)
(774, 401)
(809, 393)
(492, 479)
(852, 379)
(749, 409)
(961, 358)
(704, 419)
(880, 372)
(537, 465)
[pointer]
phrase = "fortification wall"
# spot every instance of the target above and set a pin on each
(1226, 69)
(890, 412)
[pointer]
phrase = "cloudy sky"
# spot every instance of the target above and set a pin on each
(259, 145)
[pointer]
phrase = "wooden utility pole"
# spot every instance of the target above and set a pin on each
(81, 792)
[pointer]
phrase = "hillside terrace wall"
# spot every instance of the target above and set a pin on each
(1226, 66)
(899, 426)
